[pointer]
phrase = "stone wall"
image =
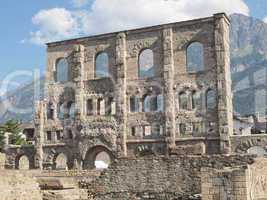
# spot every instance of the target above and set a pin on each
(15, 185)
(158, 177)
(2, 160)
(224, 184)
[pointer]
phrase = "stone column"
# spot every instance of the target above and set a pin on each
(121, 99)
(224, 93)
(168, 72)
(39, 134)
(77, 75)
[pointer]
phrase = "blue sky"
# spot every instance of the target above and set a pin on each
(27, 24)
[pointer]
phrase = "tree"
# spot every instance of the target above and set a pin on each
(13, 127)
(2, 140)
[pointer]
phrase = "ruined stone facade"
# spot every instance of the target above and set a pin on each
(158, 102)
(183, 103)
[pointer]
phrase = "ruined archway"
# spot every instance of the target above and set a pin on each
(60, 162)
(257, 150)
(98, 157)
(23, 163)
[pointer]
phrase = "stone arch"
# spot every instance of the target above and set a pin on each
(211, 99)
(257, 150)
(22, 162)
(146, 66)
(61, 70)
(60, 162)
(195, 57)
(91, 156)
(101, 64)
(245, 144)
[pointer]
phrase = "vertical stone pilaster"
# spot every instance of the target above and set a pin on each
(39, 132)
(168, 71)
(222, 55)
(121, 106)
(77, 75)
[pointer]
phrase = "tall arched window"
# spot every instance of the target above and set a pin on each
(146, 104)
(160, 102)
(196, 99)
(61, 111)
(195, 57)
(183, 101)
(210, 99)
(134, 104)
(71, 110)
(146, 64)
(62, 70)
(102, 65)
(50, 110)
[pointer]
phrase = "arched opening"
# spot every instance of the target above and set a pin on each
(71, 110)
(102, 160)
(183, 101)
(146, 64)
(257, 150)
(196, 99)
(134, 104)
(60, 163)
(150, 103)
(61, 111)
(195, 57)
(102, 65)
(98, 157)
(62, 70)
(50, 110)
(210, 99)
(160, 103)
(89, 107)
(23, 163)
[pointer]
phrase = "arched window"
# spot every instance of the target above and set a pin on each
(196, 99)
(61, 111)
(150, 103)
(62, 70)
(102, 65)
(60, 162)
(257, 150)
(70, 135)
(71, 110)
(146, 64)
(183, 101)
(146, 104)
(182, 128)
(89, 107)
(160, 102)
(24, 163)
(100, 106)
(102, 160)
(50, 110)
(134, 104)
(210, 99)
(195, 57)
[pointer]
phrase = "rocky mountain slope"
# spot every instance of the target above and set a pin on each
(248, 66)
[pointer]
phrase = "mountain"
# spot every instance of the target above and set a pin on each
(19, 104)
(248, 66)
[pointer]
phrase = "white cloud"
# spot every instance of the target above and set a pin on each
(79, 3)
(54, 24)
(120, 14)
(112, 15)
(265, 19)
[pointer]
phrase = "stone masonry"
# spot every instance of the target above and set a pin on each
(157, 101)
(85, 114)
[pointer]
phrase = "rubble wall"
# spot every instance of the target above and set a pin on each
(158, 178)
